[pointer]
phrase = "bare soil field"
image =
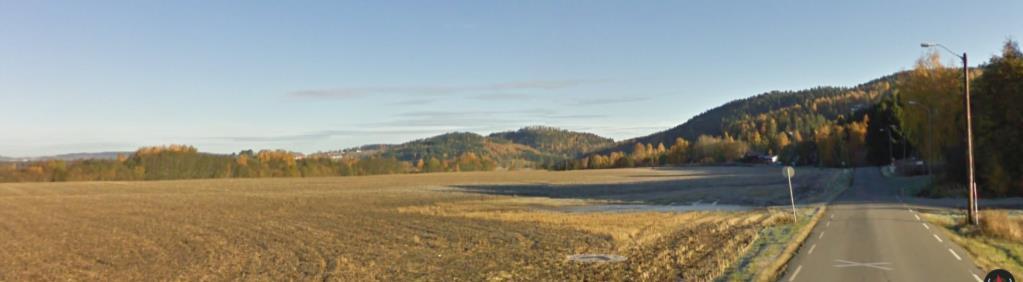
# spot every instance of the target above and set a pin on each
(449, 226)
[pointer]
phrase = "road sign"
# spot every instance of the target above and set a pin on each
(788, 171)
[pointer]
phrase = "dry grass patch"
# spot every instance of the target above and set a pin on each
(998, 224)
(695, 246)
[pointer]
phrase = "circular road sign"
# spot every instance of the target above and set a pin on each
(788, 171)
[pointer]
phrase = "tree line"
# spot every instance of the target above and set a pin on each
(186, 162)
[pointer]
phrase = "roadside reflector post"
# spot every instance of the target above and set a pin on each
(788, 171)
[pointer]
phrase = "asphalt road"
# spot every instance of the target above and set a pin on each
(869, 234)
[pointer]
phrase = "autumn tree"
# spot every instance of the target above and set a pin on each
(932, 104)
(678, 152)
(998, 119)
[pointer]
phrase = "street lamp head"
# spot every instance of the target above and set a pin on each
(926, 45)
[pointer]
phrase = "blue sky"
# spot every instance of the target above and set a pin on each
(84, 76)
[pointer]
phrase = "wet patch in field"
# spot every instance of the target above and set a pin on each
(596, 258)
(655, 208)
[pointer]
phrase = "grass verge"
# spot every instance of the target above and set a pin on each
(995, 244)
(765, 259)
(774, 246)
(772, 272)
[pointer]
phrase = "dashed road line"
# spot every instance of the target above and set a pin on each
(937, 238)
(925, 226)
(820, 236)
(832, 216)
(917, 217)
(811, 249)
(977, 277)
(828, 224)
(794, 273)
(955, 254)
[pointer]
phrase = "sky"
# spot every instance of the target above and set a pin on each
(307, 76)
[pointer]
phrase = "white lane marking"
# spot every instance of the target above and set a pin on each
(917, 217)
(925, 226)
(811, 249)
(955, 254)
(714, 203)
(793, 277)
(832, 216)
(910, 210)
(828, 225)
(878, 265)
(977, 277)
(820, 236)
(937, 238)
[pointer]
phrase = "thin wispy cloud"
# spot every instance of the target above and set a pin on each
(461, 120)
(412, 102)
(442, 114)
(329, 93)
(608, 101)
(323, 134)
(357, 92)
(504, 97)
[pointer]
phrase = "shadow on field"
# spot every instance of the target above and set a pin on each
(690, 186)
(739, 186)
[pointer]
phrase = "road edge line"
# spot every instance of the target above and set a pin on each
(775, 271)
(795, 273)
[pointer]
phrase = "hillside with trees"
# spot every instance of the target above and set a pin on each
(555, 141)
(818, 126)
(527, 147)
(770, 121)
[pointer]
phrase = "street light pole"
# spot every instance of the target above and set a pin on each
(891, 154)
(930, 136)
(902, 136)
(972, 185)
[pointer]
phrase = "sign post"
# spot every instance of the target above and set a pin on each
(788, 171)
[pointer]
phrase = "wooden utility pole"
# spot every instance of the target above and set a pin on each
(974, 217)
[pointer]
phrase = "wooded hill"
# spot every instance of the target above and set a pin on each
(762, 120)
(532, 146)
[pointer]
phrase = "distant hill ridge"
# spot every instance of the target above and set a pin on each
(530, 146)
(68, 157)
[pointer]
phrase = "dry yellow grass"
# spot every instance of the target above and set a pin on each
(998, 224)
(400, 227)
